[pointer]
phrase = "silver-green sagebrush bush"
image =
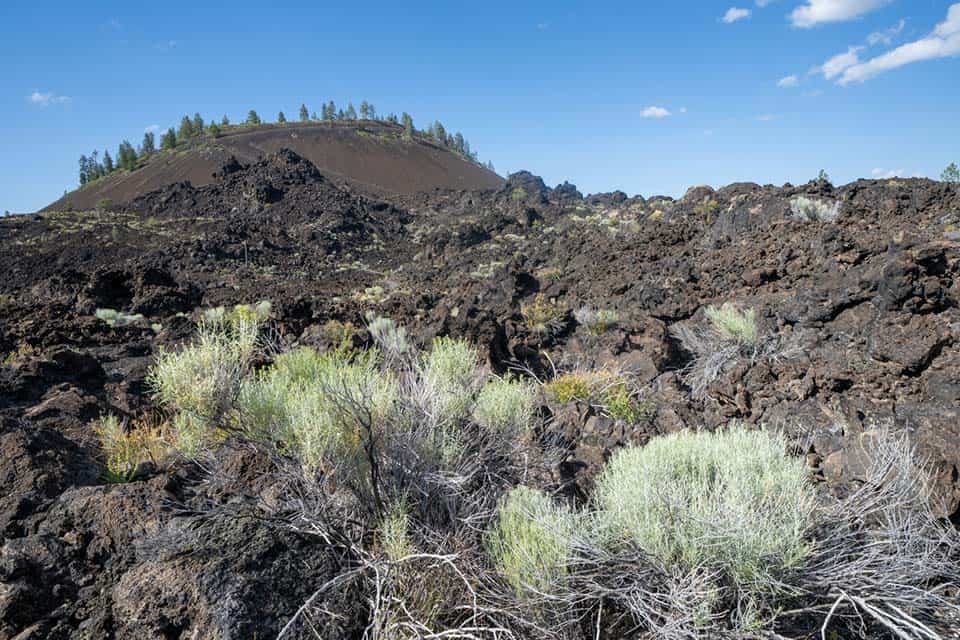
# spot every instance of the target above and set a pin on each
(733, 323)
(722, 535)
(813, 210)
(531, 541)
(731, 335)
(731, 499)
(506, 405)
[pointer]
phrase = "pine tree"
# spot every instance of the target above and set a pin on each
(314, 117)
(168, 140)
(351, 112)
(489, 166)
(341, 115)
(225, 122)
(304, 114)
(459, 144)
(186, 128)
(197, 124)
(281, 118)
(214, 129)
(84, 170)
(148, 145)
(364, 110)
(92, 173)
(107, 163)
(252, 118)
(440, 133)
(372, 112)
(951, 173)
(392, 119)
(407, 126)
(127, 156)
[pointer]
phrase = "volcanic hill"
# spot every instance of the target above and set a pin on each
(372, 156)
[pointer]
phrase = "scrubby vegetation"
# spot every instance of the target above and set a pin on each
(731, 335)
(531, 541)
(742, 514)
(611, 393)
(597, 321)
(812, 210)
(734, 324)
(116, 318)
(723, 536)
(427, 473)
(125, 449)
(543, 317)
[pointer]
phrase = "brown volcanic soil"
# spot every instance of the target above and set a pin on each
(872, 298)
(370, 156)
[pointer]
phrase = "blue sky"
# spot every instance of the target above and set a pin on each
(758, 90)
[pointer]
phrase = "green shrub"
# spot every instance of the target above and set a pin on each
(191, 434)
(607, 391)
(325, 416)
(570, 386)
(241, 314)
(518, 194)
(116, 318)
(200, 383)
(597, 321)
(395, 534)
(452, 360)
(544, 317)
(813, 210)
(449, 375)
(729, 501)
(388, 336)
(506, 406)
(124, 450)
(620, 404)
(340, 335)
(531, 541)
(734, 324)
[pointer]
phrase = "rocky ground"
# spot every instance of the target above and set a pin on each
(869, 302)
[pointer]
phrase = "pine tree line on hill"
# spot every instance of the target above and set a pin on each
(128, 158)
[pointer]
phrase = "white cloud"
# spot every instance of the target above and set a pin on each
(763, 3)
(943, 42)
(655, 112)
(735, 13)
(816, 12)
(543, 26)
(683, 109)
(788, 81)
(46, 99)
(840, 63)
(885, 174)
(153, 128)
(887, 35)
(767, 117)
